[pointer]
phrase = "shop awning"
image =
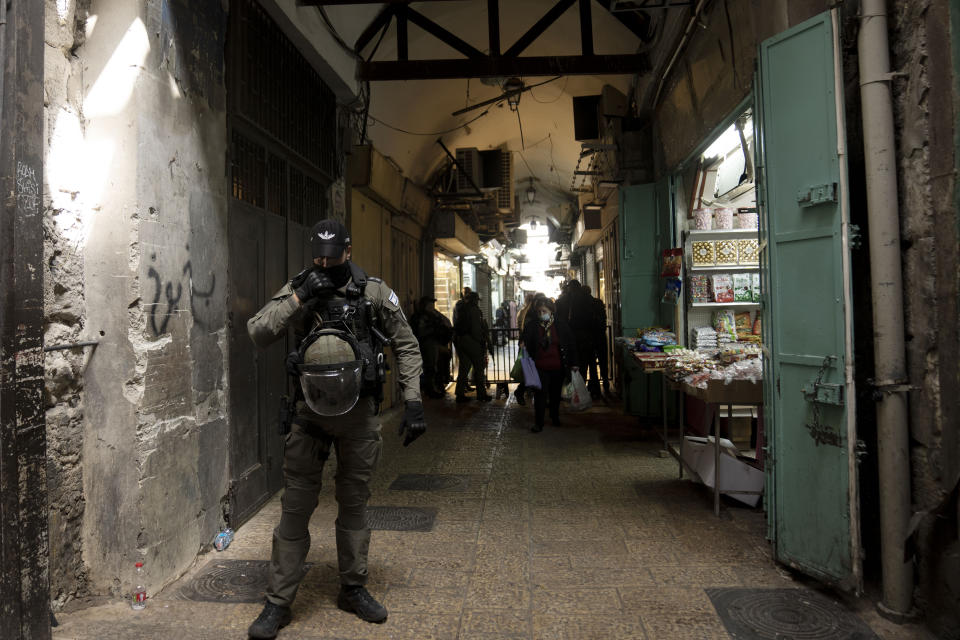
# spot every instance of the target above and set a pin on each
(455, 235)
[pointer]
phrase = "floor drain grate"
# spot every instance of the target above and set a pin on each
(431, 482)
(401, 518)
(786, 613)
(229, 581)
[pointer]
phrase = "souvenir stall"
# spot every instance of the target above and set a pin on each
(709, 359)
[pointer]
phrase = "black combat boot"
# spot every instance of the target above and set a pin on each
(356, 599)
(269, 622)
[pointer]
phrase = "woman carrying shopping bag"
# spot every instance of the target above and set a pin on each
(550, 343)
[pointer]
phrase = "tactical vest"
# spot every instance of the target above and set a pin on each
(353, 313)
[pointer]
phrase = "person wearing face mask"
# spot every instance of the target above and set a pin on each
(550, 343)
(342, 319)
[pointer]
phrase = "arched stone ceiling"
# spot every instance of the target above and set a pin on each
(548, 151)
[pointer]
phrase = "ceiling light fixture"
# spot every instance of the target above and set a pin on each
(531, 192)
(513, 87)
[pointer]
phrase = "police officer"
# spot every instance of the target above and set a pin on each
(471, 341)
(338, 313)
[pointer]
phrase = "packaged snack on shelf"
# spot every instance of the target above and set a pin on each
(725, 325)
(757, 326)
(747, 219)
(657, 337)
(743, 321)
(697, 286)
(742, 287)
(671, 290)
(723, 218)
(721, 286)
(672, 263)
(755, 289)
(702, 219)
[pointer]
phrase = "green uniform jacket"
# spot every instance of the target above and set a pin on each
(271, 322)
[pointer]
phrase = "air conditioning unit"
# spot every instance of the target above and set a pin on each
(469, 166)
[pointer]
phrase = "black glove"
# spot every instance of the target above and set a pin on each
(315, 284)
(293, 359)
(413, 422)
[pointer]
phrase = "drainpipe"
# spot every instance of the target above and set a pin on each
(3, 55)
(694, 17)
(887, 289)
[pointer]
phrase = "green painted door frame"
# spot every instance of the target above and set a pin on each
(639, 272)
(646, 228)
(812, 488)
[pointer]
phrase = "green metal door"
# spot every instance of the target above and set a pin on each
(639, 269)
(639, 289)
(811, 475)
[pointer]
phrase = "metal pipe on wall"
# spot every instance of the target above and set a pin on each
(683, 41)
(3, 56)
(873, 52)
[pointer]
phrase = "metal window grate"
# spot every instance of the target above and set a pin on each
(278, 100)
(247, 170)
(280, 92)
(307, 201)
(276, 185)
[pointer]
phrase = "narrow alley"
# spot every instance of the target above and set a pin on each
(579, 532)
(249, 247)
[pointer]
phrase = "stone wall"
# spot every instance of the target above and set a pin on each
(64, 303)
(714, 73)
(136, 258)
(925, 119)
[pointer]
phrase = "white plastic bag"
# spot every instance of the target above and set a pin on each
(580, 400)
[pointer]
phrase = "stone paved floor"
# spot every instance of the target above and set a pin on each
(579, 532)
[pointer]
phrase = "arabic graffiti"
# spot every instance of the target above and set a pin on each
(173, 292)
(28, 193)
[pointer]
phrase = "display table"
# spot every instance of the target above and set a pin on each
(639, 389)
(656, 362)
(741, 392)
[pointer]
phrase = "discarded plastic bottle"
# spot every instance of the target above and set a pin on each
(139, 591)
(223, 539)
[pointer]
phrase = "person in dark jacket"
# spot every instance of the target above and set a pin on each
(471, 342)
(434, 331)
(551, 344)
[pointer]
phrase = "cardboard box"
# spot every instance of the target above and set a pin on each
(735, 475)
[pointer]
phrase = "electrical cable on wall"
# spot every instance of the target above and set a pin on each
(519, 122)
(432, 133)
(559, 95)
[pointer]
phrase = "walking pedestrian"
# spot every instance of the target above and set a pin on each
(551, 344)
(342, 319)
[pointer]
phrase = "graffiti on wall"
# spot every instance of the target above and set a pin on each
(172, 291)
(28, 192)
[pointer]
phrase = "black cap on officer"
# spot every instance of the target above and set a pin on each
(328, 239)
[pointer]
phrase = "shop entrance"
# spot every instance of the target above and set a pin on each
(812, 492)
(763, 224)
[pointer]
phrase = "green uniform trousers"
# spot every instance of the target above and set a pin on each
(355, 437)
(470, 353)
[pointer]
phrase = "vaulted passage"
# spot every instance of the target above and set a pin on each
(580, 531)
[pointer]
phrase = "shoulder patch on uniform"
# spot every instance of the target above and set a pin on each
(393, 298)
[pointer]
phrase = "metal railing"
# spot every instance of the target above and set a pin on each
(506, 347)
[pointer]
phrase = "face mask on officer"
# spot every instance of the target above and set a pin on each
(339, 273)
(545, 316)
